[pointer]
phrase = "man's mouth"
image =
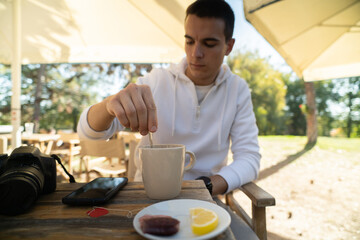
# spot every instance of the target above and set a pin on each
(196, 65)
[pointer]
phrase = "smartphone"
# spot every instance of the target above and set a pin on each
(96, 192)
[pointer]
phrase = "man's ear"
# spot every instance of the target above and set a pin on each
(229, 46)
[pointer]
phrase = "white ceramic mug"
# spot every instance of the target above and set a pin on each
(29, 128)
(163, 169)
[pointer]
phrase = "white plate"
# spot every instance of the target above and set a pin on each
(179, 209)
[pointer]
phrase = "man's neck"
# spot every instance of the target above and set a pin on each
(201, 82)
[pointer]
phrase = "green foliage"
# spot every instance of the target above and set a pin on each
(349, 98)
(62, 94)
(280, 103)
(267, 89)
(326, 96)
(62, 91)
(5, 97)
(55, 95)
(296, 107)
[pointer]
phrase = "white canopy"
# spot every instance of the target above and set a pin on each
(71, 31)
(78, 31)
(319, 39)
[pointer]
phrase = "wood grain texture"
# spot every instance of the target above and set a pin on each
(50, 219)
(258, 196)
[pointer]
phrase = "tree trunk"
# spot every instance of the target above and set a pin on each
(75, 116)
(311, 123)
(349, 120)
(38, 90)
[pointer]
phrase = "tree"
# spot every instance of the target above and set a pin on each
(326, 97)
(5, 97)
(295, 107)
(311, 123)
(48, 91)
(267, 89)
(349, 98)
(54, 95)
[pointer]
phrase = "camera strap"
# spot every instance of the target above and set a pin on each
(71, 177)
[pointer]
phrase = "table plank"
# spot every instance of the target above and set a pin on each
(50, 219)
(42, 141)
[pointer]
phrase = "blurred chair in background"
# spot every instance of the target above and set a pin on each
(98, 155)
(67, 147)
(131, 168)
(3, 145)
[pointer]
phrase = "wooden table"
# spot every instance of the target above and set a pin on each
(50, 219)
(42, 141)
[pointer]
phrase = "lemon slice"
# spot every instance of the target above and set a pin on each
(203, 220)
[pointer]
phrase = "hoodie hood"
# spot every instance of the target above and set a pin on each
(178, 70)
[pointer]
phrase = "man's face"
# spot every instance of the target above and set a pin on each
(205, 48)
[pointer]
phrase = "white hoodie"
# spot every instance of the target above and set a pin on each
(225, 114)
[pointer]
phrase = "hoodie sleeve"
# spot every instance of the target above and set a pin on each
(86, 132)
(244, 144)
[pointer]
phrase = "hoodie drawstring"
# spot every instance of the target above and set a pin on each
(174, 106)
(222, 116)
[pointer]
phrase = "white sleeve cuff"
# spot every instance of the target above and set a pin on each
(86, 132)
(238, 173)
(231, 177)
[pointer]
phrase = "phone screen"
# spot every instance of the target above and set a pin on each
(95, 192)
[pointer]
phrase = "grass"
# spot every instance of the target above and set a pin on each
(325, 143)
(346, 144)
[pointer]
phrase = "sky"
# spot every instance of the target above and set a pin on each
(246, 37)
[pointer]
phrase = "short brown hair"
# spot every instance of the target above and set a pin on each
(214, 9)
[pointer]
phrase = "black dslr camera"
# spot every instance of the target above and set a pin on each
(24, 175)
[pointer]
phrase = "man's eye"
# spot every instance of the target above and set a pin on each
(189, 42)
(210, 45)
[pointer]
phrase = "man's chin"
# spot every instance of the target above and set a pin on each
(198, 72)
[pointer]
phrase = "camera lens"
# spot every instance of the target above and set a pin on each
(19, 189)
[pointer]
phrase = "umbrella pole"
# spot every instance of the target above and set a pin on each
(16, 76)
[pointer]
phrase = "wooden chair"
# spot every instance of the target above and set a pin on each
(128, 136)
(67, 147)
(131, 168)
(260, 199)
(104, 152)
(3, 145)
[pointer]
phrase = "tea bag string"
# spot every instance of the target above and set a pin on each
(151, 139)
(130, 213)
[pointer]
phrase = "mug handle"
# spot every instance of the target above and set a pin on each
(192, 161)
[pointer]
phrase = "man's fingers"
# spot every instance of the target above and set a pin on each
(116, 109)
(141, 111)
(134, 106)
(151, 109)
(129, 108)
(121, 115)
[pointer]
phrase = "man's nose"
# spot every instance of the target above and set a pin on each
(198, 51)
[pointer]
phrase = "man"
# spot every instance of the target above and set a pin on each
(197, 102)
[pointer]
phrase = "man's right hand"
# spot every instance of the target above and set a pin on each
(134, 106)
